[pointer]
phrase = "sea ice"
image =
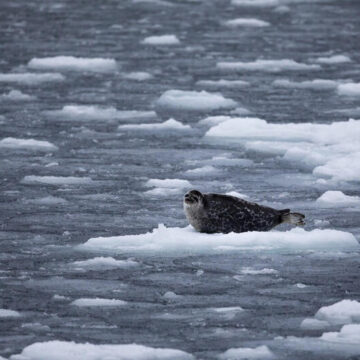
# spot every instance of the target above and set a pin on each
(71, 63)
(98, 113)
(214, 120)
(88, 302)
(349, 89)
(69, 350)
(314, 324)
(102, 263)
(138, 76)
(204, 170)
(5, 313)
(316, 84)
(186, 240)
(264, 271)
(161, 40)
(266, 65)
(31, 78)
(16, 95)
(55, 180)
(337, 199)
(349, 334)
(170, 124)
(259, 353)
(28, 144)
(340, 313)
(194, 101)
(167, 187)
(246, 22)
(335, 59)
(48, 200)
(256, 3)
(222, 83)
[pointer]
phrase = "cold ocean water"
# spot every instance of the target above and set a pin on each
(102, 148)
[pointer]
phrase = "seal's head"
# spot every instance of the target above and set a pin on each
(193, 198)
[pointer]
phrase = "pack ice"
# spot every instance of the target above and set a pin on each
(28, 144)
(330, 150)
(161, 40)
(31, 78)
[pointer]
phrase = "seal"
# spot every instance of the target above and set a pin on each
(216, 213)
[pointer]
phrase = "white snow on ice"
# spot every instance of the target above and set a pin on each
(55, 180)
(246, 22)
(256, 3)
(161, 40)
(167, 187)
(17, 95)
(138, 76)
(222, 83)
(264, 271)
(170, 124)
(349, 89)
(102, 263)
(316, 84)
(340, 313)
(204, 170)
(337, 199)
(48, 201)
(273, 66)
(258, 353)
(69, 350)
(5, 313)
(331, 150)
(194, 100)
(31, 78)
(89, 302)
(28, 144)
(71, 63)
(335, 59)
(187, 240)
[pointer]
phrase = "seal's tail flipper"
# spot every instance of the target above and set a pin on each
(296, 219)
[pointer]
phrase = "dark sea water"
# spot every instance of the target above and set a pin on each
(39, 241)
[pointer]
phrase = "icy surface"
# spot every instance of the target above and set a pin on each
(16, 95)
(222, 83)
(316, 84)
(54, 350)
(55, 180)
(350, 89)
(255, 3)
(194, 100)
(85, 302)
(71, 63)
(337, 199)
(12, 143)
(178, 241)
(259, 353)
(335, 59)
(102, 262)
(246, 22)
(170, 124)
(6, 313)
(161, 40)
(31, 78)
(343, 312)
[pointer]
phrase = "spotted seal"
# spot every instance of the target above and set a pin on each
(216, 213)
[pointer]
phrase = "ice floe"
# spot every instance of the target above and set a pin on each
(103, 263)
(31, 78)
(337, 199)
(161, 40)
(194, 101)
(55, 180)
(6, 313)
(349, 334)
(17, 95)
(340, 313)
(349, 89)
(28, 144)
(89, 302)
(335, 59)
(258, 353)
(316, 84)
(204, 170)
(256, 3)
(246, 22)
(98, 113)
(170, 124)
(186, 240)
(272, 66)
(222, 83)
(264, 271)
(138, 76)
(69, 350)
(167, 187)
(331, 150)
(71, 63)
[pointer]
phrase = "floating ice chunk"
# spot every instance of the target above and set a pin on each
(16, 95)
(48, 200)
(283, 9)
(240, 111)
(170, 124)
(161, 40)
(316, 84)
(222, 83)
(265, 271)
(69, 350)
(139, 76)
(237, 194)
(256, 3)
(194, 100)
(314, 324)
(71, 63)
(28, 144)
(266, 65)
(155, 2)
(5, 313)
(349, 89)
(163, 192)
(246, 22)
(229, 312)
(225, 161)
(98, 113)
(349, 334)
(55, 180)
(337, 198)
(85, 302)
(187, 240)
(259, 353)
(170, 295)
(335, 59)
(204, 170)
(342, 312)
(168, 183)
(60, 297)
(300, 286)
(214, 120)
(31, 78)
(102, 263)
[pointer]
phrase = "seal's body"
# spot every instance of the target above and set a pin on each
(215, 213)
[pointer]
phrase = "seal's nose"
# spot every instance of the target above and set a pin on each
(187, 196)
